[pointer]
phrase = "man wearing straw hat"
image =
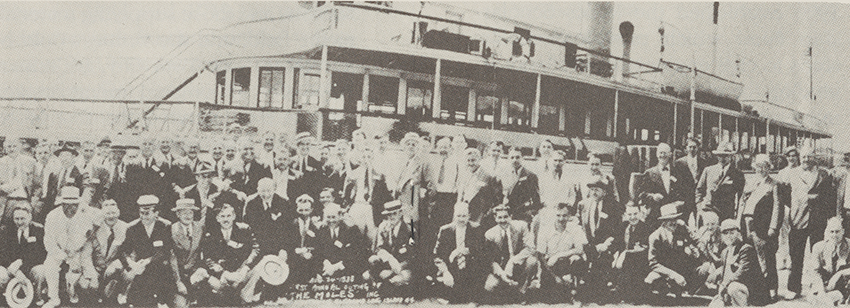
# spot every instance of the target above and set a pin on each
(720, 185)
(186, 234)
(67, 240)
(673, 257)
(23, 250)
(393, 249)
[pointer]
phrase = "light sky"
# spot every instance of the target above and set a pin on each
(94, 49)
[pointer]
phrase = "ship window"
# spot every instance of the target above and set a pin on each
(549, 117)
(308, 94)
(239, 87)
(383, 94)
(519, 114)
(346, 90)
(487, 109)
(219, 87)
(271, 87)
(454, 103)
(419, 98)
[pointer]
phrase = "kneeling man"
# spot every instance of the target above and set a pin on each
(229, 252)
(741, 279)
(510, 246)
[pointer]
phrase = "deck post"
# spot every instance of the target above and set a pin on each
(616, 110)
(437, 109)
(323, 79)
(535, 109)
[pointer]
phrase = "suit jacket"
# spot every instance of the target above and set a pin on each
(639, 236)
(598, 227)
(53, 187)
(350, 247)
(186, 247)
(482, 191)
(103, 253)
(652, 183)
(496, 247)
(823, 253)
(311, 180)
(682, 162)
(252, 175)
(446, 244)
(522, 195)
(411, 179)
(294, 239)
(720, 190)
(400, 244)
(377, 194)
(740, 264)
(138, 245)
(241, 250)
(667, 250)
(815, 209)
(268, 224)
(763, 201)
(30, 251)
(218, 197)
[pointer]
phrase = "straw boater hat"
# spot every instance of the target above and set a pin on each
(273, 270)
(671, 210)
(726, 148)
(729, 224)
(204, 167)
(65, 148)
(185, 204)
(19, 293)
(391, 207)
(303, 137)
(69, 195)
(409, 136)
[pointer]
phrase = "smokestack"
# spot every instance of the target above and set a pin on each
(600, 21)
(626, 31)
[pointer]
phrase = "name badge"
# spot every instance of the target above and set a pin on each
(234, 244)
(31, 239)
(680, 243)
(338, 244)
(603, 215)
(402, 250)
(157, 244)
(310, 233)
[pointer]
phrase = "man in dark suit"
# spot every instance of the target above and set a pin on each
(151, 176)
(741, 282)
(23, 250)
(599, 218)
(480, 190)
(341, 248)
(252, 170)
(459, 248)
(267, 214)
(146, 254)
(520, 188)
(664, 184)
(692, 160)
(721, 184)
(229, 252)
(301, 242)
(186, 234)
(108, 238)
(67, 175)
(630, 247)
(307, 170)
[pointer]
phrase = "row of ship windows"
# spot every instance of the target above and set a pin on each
(488, 109)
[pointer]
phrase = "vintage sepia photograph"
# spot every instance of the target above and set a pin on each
(424, 154)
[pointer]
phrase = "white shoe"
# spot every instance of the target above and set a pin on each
(52, 303)
(122, 299)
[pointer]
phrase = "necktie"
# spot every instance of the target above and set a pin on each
(189, 234)
(506, 243)
(20, 236)
(303, 227)
(109, 240)
(442, 171)
(333, 234)
(628, 236)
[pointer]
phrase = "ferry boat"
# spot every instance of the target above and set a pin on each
(339, 66)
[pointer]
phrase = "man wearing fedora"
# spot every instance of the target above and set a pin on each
(720, 185)
(110, 234)
(206, 194)
(393, 248)
(146, 255)
(186, 234)
(23, 250)
(67, 231)
(663, 184)
(740, 282)
(599, 216)
(229, 252)
(673, 256)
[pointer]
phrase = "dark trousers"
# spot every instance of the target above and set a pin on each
(154, 286)
(797, 249)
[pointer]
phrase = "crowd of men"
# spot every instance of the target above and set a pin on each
(146, 221)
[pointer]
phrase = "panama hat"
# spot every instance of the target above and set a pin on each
(303, 137)
(69, 195)
(273, 270)
(391, 207)
(671, 210)
(65, 148)
(204, 167)
(729, 224)
(19, 293)
(185, 204)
